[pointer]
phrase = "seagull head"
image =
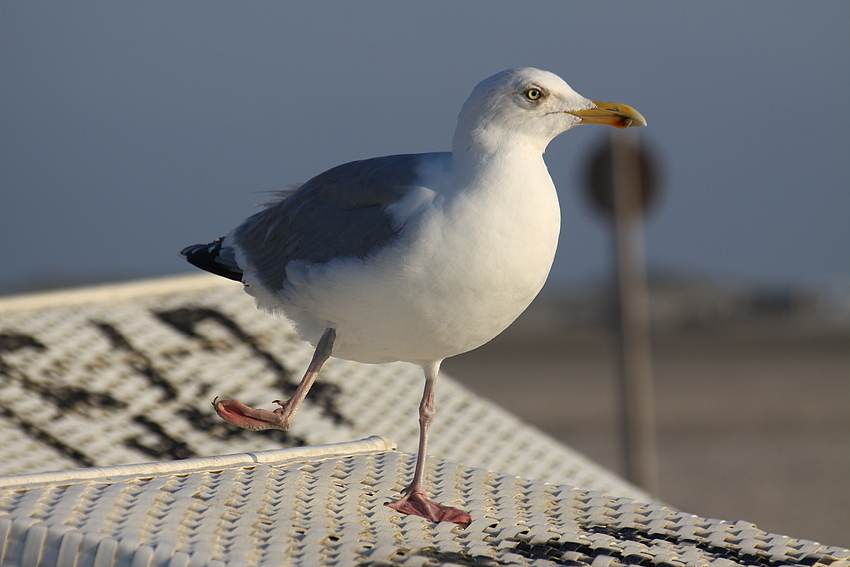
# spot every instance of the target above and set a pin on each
(528, 107)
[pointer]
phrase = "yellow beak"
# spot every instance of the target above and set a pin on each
(610, 113)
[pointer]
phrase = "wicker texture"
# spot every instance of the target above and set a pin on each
(315, 509)
(126, 374)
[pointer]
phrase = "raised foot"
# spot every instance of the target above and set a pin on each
(236, 413)
(417, 504)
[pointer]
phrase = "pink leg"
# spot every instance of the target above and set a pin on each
(414, 501)
(236, 413)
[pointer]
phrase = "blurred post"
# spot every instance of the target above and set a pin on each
(621, 182)
(633, 310)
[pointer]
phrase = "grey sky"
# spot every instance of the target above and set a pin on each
(129, 130)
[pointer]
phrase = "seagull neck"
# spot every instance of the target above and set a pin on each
(477, 161)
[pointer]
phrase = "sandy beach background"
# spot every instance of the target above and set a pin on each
(752, 408)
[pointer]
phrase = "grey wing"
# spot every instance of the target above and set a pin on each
(338, 213)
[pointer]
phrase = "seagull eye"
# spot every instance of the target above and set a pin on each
(533, 94)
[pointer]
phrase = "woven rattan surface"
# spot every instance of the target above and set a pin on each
(126, 374)
(316, 509)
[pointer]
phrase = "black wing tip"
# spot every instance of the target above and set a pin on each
(209, 249)
(205, 257)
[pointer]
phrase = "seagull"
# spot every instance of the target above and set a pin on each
(414, 257)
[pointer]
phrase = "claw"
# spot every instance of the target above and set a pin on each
(236, 413)
(417, 504)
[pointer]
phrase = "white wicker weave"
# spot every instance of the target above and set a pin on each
(126, 373)
(324, 506)
(123, 374)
